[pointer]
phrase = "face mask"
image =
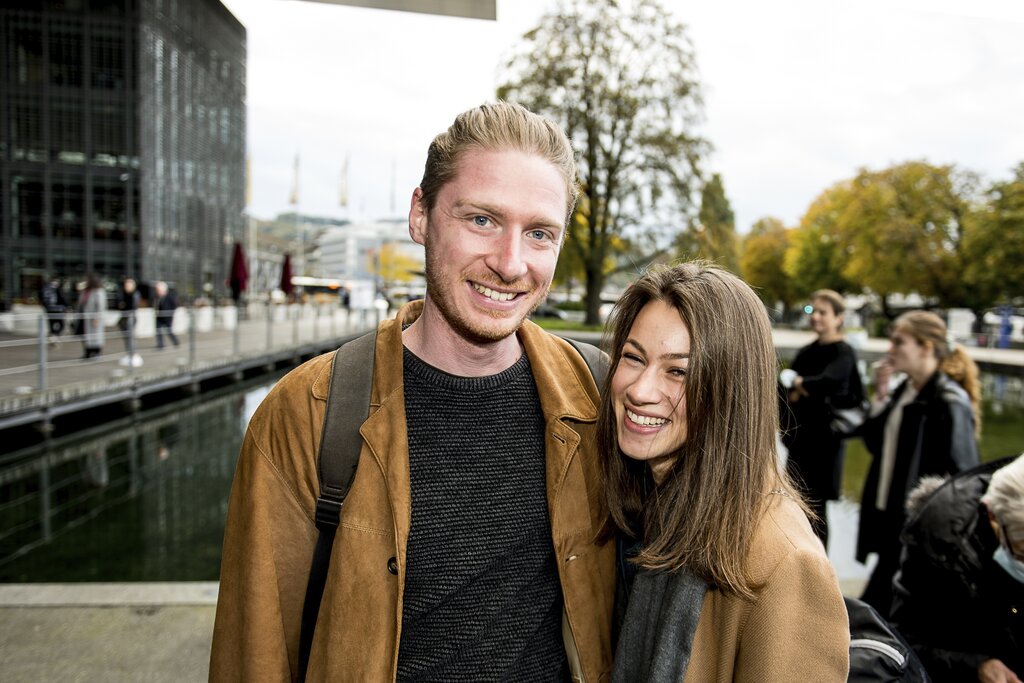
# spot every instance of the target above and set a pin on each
(1009, 563)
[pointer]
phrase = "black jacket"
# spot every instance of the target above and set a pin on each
(952, 602)
(936, 438)
(830, 377)
(165, 307)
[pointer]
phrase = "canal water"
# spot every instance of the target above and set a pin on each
(144, 498)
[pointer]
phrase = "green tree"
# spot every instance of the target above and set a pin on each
(762, 256)
(713, 235)
(995, 243)
(620, 77)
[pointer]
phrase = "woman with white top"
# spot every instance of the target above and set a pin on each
(926, 426)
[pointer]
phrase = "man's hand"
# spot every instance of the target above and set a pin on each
(994, 671)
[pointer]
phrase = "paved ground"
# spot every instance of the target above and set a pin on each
(106, 632)
(115, 633)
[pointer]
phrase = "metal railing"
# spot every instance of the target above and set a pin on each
(33, 359)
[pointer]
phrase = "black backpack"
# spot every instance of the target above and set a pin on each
(348, 406)
(878, 653)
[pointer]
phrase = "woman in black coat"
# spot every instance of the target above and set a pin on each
(826, 377)
(927, 426)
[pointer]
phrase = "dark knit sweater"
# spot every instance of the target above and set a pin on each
(482, 599)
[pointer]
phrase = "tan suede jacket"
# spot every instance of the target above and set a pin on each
(270, 534)
(795, 629)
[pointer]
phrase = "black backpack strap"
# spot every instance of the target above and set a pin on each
(348, 406)
(597, 360)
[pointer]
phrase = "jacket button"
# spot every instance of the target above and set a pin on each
(393, 566)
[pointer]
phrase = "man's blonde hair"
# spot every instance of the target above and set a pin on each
(496, 127)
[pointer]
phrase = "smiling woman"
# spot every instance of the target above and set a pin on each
(720, 566)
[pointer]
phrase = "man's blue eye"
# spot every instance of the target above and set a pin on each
(538, 234)
(481, 220)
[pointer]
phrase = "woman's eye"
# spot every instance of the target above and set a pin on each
(632, 358)
(677, 372)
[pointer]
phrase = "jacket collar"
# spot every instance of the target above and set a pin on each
(549, 361)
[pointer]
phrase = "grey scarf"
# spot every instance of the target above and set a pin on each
(657, 632)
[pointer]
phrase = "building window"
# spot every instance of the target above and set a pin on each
(66, 55)
(67, 142)
(28, 142)
(108, 58)
(108, 210)
(27, 206)
(68, 209)
(109, 133)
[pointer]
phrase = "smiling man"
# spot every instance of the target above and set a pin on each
(466, 549)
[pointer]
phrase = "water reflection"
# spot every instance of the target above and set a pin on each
(141, 499)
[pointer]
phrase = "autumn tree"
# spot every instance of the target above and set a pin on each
(393, 265)
(903, 231)
(762, 255)
(815, 258)
(713, 235)
(620, 77)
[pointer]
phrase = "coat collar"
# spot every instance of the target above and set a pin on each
(549, 359)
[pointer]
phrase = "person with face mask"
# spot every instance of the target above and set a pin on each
(959, 594)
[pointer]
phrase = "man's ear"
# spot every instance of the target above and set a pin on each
(418, 217)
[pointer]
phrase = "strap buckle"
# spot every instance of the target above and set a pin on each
(328, 512)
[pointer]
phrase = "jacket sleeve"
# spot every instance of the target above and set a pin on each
(798, 630)
(834, 379)
(268, 545)
(963, 451)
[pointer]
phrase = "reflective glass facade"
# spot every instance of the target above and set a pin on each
(122, 141)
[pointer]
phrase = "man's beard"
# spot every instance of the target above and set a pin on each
(461, 324)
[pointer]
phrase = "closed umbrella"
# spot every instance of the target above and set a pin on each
(239, 273)
(286, 276)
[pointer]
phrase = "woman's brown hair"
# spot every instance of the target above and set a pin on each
(925, 326)
(703, 514)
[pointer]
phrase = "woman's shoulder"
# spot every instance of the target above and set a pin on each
(949, 391)
(783, 535)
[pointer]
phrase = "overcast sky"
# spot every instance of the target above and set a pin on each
(799, 93)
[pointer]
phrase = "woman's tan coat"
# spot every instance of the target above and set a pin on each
(270, 532)
(795, 630)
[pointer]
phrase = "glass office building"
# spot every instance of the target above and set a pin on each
(122, 142)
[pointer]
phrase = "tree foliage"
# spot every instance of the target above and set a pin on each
(713, 235)
(393, 265)
(761, 262)
(904, 231)
(995, 244)
(815, 258)
(620, 78)
(914, 228)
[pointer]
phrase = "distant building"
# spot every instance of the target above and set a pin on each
(381, 251)
(122, 141)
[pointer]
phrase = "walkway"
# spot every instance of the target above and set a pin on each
(40, 382)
